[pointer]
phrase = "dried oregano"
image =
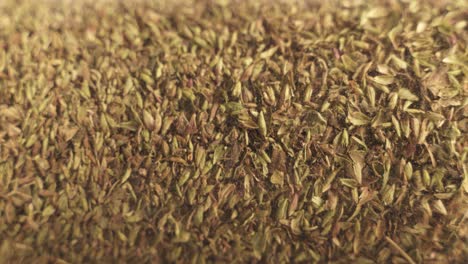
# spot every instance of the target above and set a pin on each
(233, 131)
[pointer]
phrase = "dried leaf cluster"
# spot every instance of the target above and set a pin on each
(233, 131)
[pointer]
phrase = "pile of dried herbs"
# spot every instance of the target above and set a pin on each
(233, 131)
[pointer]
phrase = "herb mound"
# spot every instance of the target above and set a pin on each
(233, 131)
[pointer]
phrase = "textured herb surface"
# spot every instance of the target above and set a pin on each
(233, 131)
